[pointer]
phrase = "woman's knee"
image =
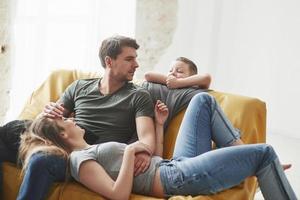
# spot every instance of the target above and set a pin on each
(203, 99)
(268, 152)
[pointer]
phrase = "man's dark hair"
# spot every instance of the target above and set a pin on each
(191, 64)
(112, 47)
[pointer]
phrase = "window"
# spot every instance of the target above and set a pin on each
(53, 34)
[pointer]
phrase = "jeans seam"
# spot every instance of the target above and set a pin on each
(234, 138)
(197, 124)
(278, 178)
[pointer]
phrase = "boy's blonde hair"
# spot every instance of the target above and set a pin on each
(191, 64)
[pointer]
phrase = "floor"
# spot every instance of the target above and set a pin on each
(287, 150)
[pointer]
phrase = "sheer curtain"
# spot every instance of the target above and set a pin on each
(53, 34)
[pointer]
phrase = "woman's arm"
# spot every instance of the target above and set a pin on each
(93, 176)
(161, 115)
(155, 77)
(200, 80)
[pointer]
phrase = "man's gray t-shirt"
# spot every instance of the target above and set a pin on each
(175, 99)
(108, 117)
(110, 156)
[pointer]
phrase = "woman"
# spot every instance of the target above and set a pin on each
(108, 168)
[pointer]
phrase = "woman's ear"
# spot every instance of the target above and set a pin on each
(63, 135)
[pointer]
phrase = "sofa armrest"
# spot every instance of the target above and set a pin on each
(51, 89)
(246, 113)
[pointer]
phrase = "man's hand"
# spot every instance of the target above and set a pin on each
(141, 163)
(53, 110)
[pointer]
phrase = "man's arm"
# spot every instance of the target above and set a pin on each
(54, 110)
(200, 80)
(146, 131)
(146, 134)
(64, 106)
(155, 77)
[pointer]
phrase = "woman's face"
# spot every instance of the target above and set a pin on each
(70, 127)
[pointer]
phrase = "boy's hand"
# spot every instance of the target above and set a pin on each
(161, 112)
(172, 82)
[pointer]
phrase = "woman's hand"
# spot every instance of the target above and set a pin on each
(161, 112)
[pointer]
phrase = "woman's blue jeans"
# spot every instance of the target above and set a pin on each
(197, 169)
(42, 171)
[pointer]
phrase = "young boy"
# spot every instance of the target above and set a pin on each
(177, 88)
(182, 74)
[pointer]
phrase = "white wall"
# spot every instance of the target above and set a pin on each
(250, 48)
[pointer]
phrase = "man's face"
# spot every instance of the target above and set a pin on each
(124, 66)
(179, 69)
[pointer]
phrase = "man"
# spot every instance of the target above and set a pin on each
(109, 109)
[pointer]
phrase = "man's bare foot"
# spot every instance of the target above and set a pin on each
(286, 166)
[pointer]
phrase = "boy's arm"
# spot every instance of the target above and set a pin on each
(201, 80)
(155, 77)
(161, 115)
(159, 129)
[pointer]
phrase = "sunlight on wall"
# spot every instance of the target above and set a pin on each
(52, 34)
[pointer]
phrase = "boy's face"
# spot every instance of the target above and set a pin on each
(179, 69)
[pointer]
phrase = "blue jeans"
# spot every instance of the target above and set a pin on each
(42, 171)
(197, 169)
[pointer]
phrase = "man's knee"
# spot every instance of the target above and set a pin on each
(45, 163)
(10, 133)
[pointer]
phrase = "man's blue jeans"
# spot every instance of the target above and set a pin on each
(9, 143)
(42, 171)
(197, 169)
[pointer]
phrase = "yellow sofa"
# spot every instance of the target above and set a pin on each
(247, 114)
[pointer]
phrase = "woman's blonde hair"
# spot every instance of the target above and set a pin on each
(42, 136)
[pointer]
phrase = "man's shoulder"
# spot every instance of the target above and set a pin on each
(136, 88)
(87, 81)
(84, 83)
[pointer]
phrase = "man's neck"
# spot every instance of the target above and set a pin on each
(109, 85)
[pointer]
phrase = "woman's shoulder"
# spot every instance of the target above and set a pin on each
(112, 146)
(84, 151)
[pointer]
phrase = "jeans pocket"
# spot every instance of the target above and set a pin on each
(171, 176)
(175, 176)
